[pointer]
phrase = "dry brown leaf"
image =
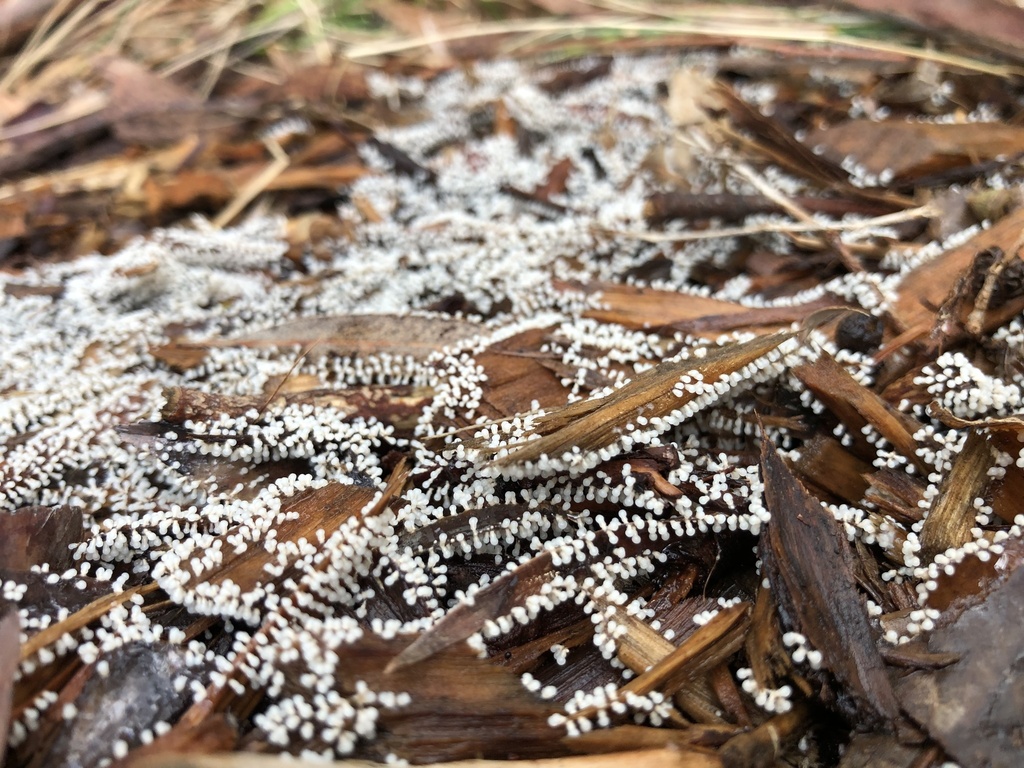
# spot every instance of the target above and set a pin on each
(668, 757)
(909, 150)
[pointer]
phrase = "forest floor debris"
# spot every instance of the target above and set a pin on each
(658, 405)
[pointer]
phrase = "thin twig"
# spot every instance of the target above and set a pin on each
(889, 219)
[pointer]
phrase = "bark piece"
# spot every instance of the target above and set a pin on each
(856, 405)
(596, 423)
(9, 639)
(951, 516)
(138, 693)
(36, 535)
(926, 287)
(300, 517)
(975, 708)
(808, 564)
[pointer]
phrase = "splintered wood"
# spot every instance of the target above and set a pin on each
(620, 412)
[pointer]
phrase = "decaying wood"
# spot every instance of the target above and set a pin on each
(951, 515)
(809, 569)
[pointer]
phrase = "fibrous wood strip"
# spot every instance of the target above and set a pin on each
(951, 516)
(595, 423)
(808, 564)
(925, 288)
(856, 405)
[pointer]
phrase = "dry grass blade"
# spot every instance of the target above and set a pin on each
(806, 224)
(249, 193)
(786, 28)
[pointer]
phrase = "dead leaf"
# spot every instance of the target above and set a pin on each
(907, 150)
(690, 95)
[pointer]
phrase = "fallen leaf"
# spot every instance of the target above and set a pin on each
(907, 150)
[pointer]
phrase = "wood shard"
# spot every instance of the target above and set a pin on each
(857, 406)
(952, 513)
(986, 684)
(596, 423)
(808, 565)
